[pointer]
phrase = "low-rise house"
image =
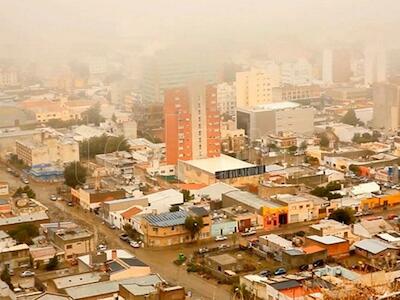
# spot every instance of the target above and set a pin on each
(117, 163)
(331, 227)
(165, 229)
(15, 256)
(335, 246)
(13, 222)
(108, 289)
(214, 191)
(108, 207)
(60, 284)
(5, 240)
(221, 225)
(390, 237)
(135, 291)
(300, 209)
(375, 249)
(369, 228)
(222, 262)
(73, 241)
(5, 207)
(274, 243)
(118, 263)
(4, 191)
(52, 296)
(42, 255)
(5, 292)
(92, 198)
(296, 257)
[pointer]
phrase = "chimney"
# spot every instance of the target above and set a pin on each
(114, 254)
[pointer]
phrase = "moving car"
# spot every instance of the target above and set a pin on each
(220, 238)
(27, 274)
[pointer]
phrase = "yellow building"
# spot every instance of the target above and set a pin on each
(381, 201)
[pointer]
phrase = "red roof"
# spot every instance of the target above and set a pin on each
(131, 212)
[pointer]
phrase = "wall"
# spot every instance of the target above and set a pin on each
(224, 228)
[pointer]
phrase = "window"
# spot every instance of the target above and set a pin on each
(68, 247)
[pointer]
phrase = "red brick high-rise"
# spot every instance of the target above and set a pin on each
(192, 122)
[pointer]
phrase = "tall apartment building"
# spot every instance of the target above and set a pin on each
(341, 65)
(374, 65)
(386, 99)
(192, 122)
(327, 66)
(296, 92)
(169, 70)
(226, 98)
(296, 73)
(8, 77)
(254, 87)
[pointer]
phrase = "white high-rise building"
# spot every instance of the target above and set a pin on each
(226, 98)
(254, 87)
(296, 73)
(327, 66)
(374, 65)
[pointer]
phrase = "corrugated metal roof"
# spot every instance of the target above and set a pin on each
(373, 246)
(167, 219)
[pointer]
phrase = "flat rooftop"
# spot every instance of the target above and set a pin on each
(215, 164)
(271, 106)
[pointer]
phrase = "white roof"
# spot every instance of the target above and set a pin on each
(276, 239)
(87, 132)
(365, 188)
(373, 246)
(276, 106)
(389, 237)
(120, 254)
(327, 239)
(215, 164)
(215, 191)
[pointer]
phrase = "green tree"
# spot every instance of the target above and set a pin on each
(343, 215)
(350, 118)
(25, 190)
(24, 233)
(333, 196)
(174, 208)
(53, 263)
(6, 277)
(75, 174)
(303, 146)
(101, 145)
(194, 225)
(319, 191)
(292, 149)
(187, 196)
(132, 232)
(333, 186)
(324, 140)
(92, 115)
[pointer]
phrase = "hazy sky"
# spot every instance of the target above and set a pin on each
(53, 24)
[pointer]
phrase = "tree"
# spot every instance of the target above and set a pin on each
(174, 208)
(187, 196)
(53, 263)
(292, 149)
(350, 118)
(25, 190)
(75, 174)
(194, 225)
(101, 145)
(92, 115)
(132, 232)
(5, 276)
(333, 186)
(343, 215)
(24, 233)
(303, 146)
(324, 140)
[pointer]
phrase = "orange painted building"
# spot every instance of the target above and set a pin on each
(192, 123)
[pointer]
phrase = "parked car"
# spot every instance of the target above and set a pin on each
(24, 180)
(220, 238)
(203, 250)
(134, 244)
(53, 197)
(9, 170)
(102, 247)
(111, 226)
(265, 273)
(249, 232)
(304, 267)
(60, 198)
(124, 237)
(27, 273)
(318, 263)
(223, 246)
(280, 271)
(70, 203)
(391, 216)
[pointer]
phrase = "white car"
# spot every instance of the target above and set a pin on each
(53, 197)
(134, 244)
(223, 246)
(27, 274)
(220, 238)
(102, 247)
